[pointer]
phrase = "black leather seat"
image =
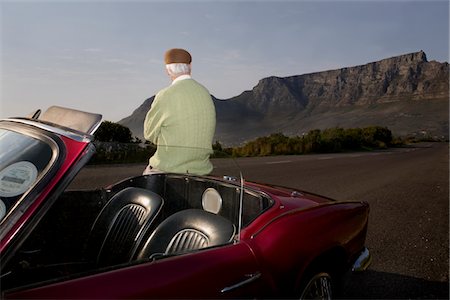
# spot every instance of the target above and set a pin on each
(188, 230)
(121, 224)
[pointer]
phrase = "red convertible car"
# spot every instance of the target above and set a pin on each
(164, 235)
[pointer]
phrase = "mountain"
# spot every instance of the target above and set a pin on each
(406, 93)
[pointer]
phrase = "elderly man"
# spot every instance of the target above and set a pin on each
(181, 121)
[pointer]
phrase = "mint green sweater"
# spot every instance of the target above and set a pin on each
(181, 122)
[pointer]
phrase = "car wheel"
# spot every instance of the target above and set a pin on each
(319, 286)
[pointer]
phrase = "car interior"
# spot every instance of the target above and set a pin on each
(138, 220)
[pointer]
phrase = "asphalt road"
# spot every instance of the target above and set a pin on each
(408, 192)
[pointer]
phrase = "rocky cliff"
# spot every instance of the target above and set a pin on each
(406, 77)
(406, 93)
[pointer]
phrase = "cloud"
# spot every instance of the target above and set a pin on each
(92, 50)
(155, 61)
(66, 57)
(224, 57)
(119, 61)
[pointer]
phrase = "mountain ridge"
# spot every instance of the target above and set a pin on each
(406, 93)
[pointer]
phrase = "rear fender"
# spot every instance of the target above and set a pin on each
(292, 242)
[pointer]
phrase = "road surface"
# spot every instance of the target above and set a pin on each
(408, 192)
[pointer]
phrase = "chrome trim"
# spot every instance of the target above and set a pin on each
(22, 204)
(241, 207)
(249, 278)
(229, 178)
(79, 137)
(296, 194)
(363, 261)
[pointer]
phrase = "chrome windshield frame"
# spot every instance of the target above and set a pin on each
(67, 132)
(25, 201)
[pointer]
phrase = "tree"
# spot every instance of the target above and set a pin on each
(217, 146)
(113, 132)
(313, 141)
(316, 141)
(376, 136)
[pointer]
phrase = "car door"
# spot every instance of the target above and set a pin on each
(229, 271)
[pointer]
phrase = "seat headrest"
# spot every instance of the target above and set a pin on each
(212, 201)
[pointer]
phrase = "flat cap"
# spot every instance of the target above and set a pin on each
(177, 55)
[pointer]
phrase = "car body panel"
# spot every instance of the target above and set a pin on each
(204, 275)
(282, 233)
(301, 235)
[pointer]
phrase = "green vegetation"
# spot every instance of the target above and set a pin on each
(115, 144)
(113, 132)
(121, 153)
(317, 141)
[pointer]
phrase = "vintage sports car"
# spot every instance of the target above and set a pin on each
(162, 235)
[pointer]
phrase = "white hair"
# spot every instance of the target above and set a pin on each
(178, 69)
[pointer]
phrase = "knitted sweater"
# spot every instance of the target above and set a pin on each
(181, 122)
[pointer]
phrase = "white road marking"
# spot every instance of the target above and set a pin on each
(278, 162)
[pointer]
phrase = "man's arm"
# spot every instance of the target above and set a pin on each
(153, 122)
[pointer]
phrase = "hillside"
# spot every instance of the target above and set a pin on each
(406, 93)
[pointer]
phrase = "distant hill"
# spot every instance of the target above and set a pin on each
(406, 93)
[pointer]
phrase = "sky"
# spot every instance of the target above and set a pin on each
(107, 56)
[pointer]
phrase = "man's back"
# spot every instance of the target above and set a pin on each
(182, 123)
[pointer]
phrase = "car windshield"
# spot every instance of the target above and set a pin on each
(22, 160)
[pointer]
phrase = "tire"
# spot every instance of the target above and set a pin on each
(317, 286)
